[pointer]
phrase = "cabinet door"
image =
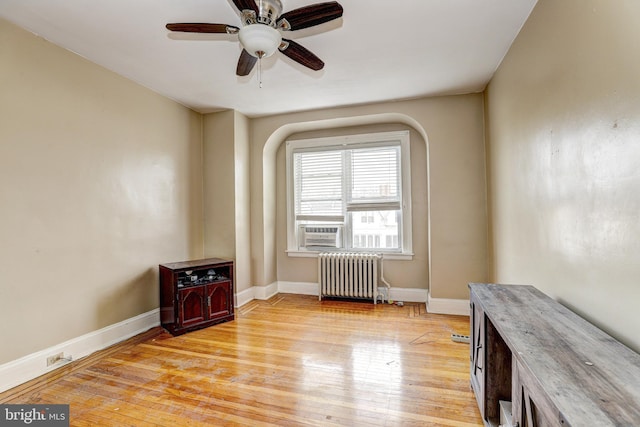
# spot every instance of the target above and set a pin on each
(530, 406)
(191, 306)
(477, 347)
(219, 300)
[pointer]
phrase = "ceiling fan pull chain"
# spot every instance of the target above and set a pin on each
(260, 73)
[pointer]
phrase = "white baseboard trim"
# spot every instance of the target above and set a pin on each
(459, 307)
(245, 296)
(256, 292)
(300, 288)
(408, 294)
(265, 292)
(33, 365)
(310, 288)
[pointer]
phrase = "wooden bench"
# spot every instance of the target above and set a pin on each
(554, 367)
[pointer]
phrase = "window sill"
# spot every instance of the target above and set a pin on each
(401, 256)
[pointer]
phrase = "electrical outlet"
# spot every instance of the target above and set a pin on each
(460, 338)
(54, 359)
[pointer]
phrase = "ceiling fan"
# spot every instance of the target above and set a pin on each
(262, 25)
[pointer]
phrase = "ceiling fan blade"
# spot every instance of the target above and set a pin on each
(245, 63)
(301, 55)
(203, 28)
(246, 5)
(311, 15)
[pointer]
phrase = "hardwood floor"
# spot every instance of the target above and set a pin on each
(288, 361)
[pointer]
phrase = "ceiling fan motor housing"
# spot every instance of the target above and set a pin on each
(269, 11)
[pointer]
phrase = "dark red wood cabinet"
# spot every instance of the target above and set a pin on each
(195, 294)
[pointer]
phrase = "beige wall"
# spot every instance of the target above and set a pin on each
(100, 181)
(226, 192)
(453, 128)
(242, 176)
(564, 154)
(219, 185)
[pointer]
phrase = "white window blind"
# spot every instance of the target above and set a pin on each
(318, 185)
(375, 179)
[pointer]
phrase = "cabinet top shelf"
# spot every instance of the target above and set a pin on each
(187, 265)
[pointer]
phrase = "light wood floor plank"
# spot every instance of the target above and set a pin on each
(289, 361)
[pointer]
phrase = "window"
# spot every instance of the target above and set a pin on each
(356, 187)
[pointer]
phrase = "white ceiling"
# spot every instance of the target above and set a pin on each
(379, 50)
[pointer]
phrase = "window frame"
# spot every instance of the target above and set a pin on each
(369, 140)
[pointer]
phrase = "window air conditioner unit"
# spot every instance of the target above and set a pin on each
(321, 236)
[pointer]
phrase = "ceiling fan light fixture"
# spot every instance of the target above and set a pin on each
(260, 40)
